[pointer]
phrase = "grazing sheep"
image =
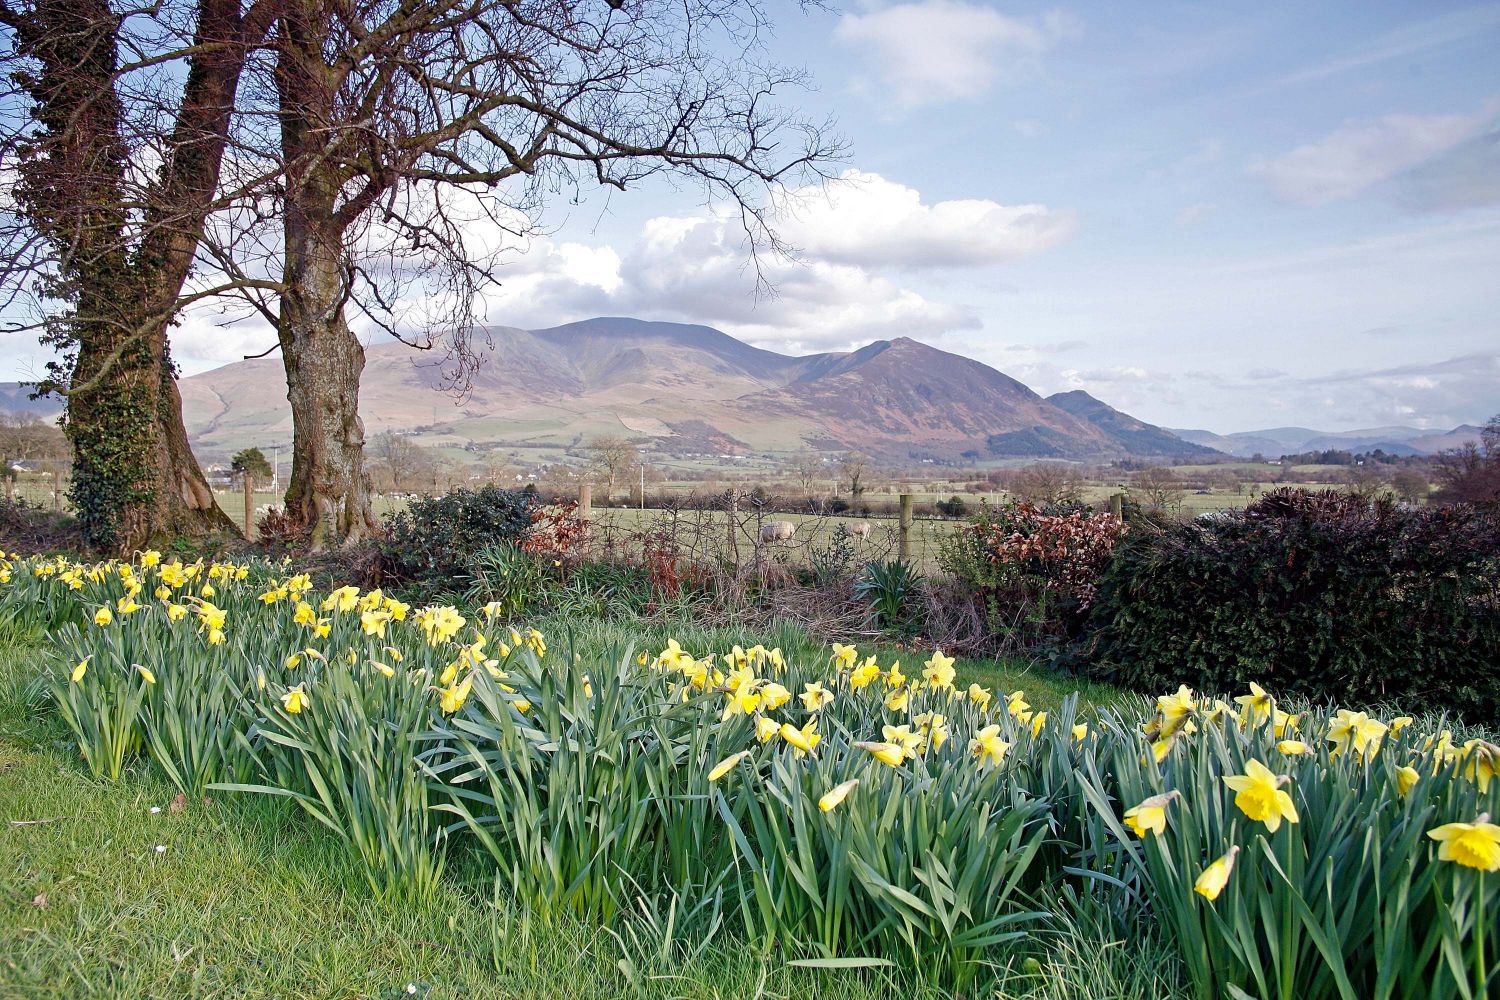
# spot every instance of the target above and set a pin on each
(859, 529)
(777, 531)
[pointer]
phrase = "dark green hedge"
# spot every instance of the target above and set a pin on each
(1317, 594)
(438, 538)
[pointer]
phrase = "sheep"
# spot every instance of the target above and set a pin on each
(777, 531)
(859, 529)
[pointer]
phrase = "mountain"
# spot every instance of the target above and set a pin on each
(1136, 436)
(1277, 441)
(685, 390)
(15, 397)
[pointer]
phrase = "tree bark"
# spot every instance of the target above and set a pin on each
(329, 490)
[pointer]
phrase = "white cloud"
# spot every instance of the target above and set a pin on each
(1356, 156)
(939, 50)
(856, 241)
(868, 221)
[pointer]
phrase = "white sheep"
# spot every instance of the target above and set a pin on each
(859, 529)
(777, 531)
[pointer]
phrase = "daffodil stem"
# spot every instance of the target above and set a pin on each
(1480, 972)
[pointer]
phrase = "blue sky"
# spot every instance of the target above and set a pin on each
(1227, 216)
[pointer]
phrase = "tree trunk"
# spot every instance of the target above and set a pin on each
(329, 491)
(135, 478)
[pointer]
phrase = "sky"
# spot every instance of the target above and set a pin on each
(1220, 216)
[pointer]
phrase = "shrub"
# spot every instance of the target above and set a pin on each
(889, 587)
(952, 507)
(1034, 567)
(438, 537)
(1318, 594)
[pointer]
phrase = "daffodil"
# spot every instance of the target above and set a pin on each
(814, 696)
(741, 702)
(726, 765)
(1037, 722)
(80, 670)
(766, 729)
(1260, 797)
(802, 740)
(898, 700)
(146, 675)
(1473, 845)
(1255, 707)
(938, 672)
(1480, 759)
(1355, 731)
(1293, 748)
(980, 696)
(903, 737)
(891, 754)
(837, 794)
(773, 696)
(1150, 815)
(866, 673)
(1406, 779)
(103, 617)
(452, 698)
(844, 656)
(1216, 876)
(295, 700)
(1016, 704)
(1080, 732)
(988, 747)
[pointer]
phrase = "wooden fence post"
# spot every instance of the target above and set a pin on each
(732, 511)
(1117, 505)
(585, 500)
(905, 534)
(249, 507)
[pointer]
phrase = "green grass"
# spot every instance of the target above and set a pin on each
(240, 896)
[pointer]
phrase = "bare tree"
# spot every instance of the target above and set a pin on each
(1159, 488)
(611, 457)
(1047, 483)
(401, 125)
(807, 468)
(1470, 473)
(405, 464)
(1410, 485)
(1366, 481)
(854, 467)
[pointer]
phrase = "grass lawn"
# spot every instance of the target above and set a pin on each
(111, 890)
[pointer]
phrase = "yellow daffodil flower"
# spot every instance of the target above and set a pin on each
(1473, 845)
(295, 700)
(726, 765)
(1216, 876)
(1260, 797)
(1150, 815)
(938, 672)
(891, 754)
(1406, 779)
(814, 696)
(988, 747)
(837, 794)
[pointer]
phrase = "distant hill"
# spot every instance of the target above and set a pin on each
(1279, 441)
(685, 390)
(1135, 436)
(15, 397)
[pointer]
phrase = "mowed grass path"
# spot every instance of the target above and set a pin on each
(239, 896)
